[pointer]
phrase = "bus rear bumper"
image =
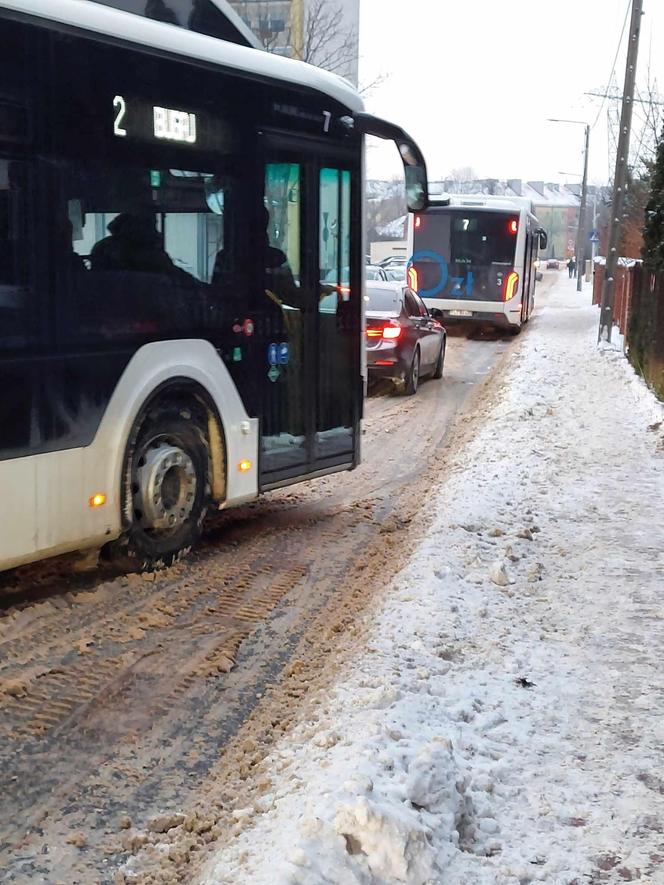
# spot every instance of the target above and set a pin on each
(494, 313)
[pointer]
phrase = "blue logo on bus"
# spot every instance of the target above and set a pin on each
(460, 285)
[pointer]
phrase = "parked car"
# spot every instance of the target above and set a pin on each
(394, 261)
(404, 342)
(372, 272)
(396, 273)
(552, 264)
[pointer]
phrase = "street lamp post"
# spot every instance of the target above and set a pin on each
(581, 232)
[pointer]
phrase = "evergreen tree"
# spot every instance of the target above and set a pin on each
(653, 250)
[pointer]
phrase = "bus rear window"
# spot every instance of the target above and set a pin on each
(471, 238)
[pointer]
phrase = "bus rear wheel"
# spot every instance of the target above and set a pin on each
(166, 490)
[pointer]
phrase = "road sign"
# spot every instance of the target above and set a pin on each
(594, 236)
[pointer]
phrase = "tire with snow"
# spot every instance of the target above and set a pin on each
(440, 365)
(165, 490)
(413, 379)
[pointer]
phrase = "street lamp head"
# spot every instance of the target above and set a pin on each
(575, 122)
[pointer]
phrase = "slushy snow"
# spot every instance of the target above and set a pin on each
(504, 723)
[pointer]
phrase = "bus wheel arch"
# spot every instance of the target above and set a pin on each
(174, 467)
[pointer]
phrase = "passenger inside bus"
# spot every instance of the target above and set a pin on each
(135, 244)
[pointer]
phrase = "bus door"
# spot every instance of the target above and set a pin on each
(308, 335)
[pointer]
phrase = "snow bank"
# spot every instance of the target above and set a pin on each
(502, 725)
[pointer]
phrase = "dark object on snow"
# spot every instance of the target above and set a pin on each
(525, 683)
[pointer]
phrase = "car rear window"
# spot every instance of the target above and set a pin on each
(383, 299)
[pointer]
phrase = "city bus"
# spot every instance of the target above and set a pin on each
(181, 268)
(474, 259)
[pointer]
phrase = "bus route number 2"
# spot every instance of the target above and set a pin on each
(167, 123)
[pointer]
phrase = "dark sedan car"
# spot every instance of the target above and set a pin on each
(404, 342)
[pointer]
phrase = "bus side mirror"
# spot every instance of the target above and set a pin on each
(414, 164)
(543, 238)
(417, 197)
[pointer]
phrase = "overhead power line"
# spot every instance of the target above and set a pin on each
(615, 61)
(618, 97)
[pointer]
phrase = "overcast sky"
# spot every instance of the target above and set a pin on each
(473, 81)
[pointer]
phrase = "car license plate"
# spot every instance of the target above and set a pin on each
(461, 313)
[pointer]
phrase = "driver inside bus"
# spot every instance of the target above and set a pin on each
(279, 283)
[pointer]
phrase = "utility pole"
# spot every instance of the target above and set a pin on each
(581, 230)
(581, 233)
(620, 177)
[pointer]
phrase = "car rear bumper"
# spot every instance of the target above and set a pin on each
(385, 361)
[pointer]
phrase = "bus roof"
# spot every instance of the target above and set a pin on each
(482, 201)
(131, 28)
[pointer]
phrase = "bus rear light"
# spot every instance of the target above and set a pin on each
(96, 501)
(511, 286)
(413, 279)
(244, 466)
(513, 226)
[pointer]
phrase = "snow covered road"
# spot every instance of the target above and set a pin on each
(504, 722)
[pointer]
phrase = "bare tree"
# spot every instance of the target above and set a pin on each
(325, 40)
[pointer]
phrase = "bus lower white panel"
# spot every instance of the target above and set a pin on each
(47, 507)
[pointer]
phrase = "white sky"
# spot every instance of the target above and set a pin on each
(473, 81)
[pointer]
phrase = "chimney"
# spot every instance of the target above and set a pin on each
(537, 186)
(514, 184)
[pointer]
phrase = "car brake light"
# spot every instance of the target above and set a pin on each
(392, 331)
(418, 222)
(413, 280)
(511, 286)
(374, 333)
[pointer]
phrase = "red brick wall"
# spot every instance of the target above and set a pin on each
(624, 289)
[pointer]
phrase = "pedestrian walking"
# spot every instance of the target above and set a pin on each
(571, 266)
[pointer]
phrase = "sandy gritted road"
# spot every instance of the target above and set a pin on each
(124, 696)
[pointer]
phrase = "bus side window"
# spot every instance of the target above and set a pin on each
(13, 255)
(151, 240)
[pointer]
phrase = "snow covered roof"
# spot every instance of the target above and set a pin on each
(600, 260)
(170, 38)
(394, 230)
(539, 193)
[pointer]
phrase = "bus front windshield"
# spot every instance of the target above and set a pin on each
(476, 239)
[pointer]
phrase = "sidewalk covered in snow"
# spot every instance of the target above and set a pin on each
(504, 724)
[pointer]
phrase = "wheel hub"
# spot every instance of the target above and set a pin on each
(166, 480)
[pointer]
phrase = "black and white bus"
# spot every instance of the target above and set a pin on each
(474, 259)
(169, 205)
